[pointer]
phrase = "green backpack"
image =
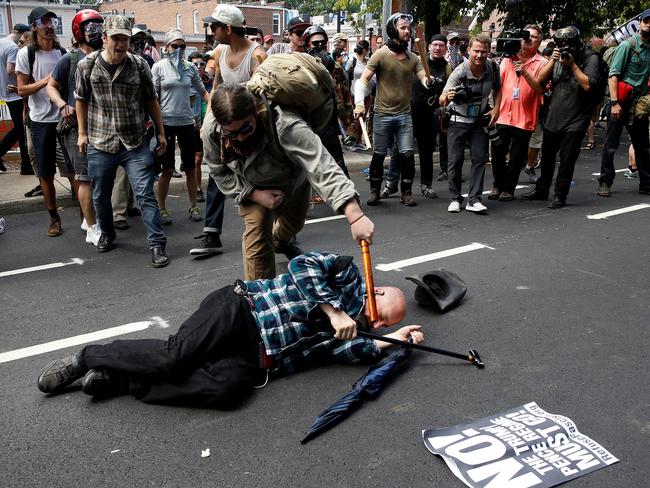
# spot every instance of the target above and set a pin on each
(298, 81)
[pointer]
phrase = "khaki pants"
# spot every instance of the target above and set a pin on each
(122, 197)
(264, 228)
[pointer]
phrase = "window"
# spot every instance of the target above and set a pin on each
(195, 21)
(178, 20)
(59, 28)
(276, 24)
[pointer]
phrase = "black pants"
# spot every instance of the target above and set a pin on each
(514, 141)
(568, 145)
(425, 128)
(17, 133)
(211, 361)
(329, 136)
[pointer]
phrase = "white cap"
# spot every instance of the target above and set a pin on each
(226, 14)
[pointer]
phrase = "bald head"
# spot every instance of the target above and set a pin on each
(391, 306)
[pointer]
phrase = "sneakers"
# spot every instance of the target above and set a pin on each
(105, 243)
(195, 214)
(159, 257)
(494, 193)
(200, 197)
(530, 172)
(408, 200)
(388, 191)
(101, 383)
(165, 217)
(93, 234)
(176, 174)
(454, 207)
(374, 198)
(210, 245)
(55, 230)
(604, 190)
(84, 224)
(476, 207)
(60, 374)
(3, 168)
(533, 195)
(34, 192)
(506, 197)
(443, 176)
(428, 192)
(631, 175)
(121, 224)
(557, 202)
(289, 248)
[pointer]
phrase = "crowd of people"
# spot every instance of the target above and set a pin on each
(110, 113)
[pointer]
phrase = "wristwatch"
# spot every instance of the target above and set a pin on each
(614, 102)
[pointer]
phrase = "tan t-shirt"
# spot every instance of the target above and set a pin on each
(393, 80)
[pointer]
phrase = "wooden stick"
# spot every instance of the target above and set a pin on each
(370, 283)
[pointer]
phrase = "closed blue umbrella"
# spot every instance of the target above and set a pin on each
(365, 388)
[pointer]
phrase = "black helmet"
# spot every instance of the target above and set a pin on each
(391, 24)
(440, 290)
(310, 31)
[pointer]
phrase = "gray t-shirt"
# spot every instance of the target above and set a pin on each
(61, 74)
(480, 89)
(570, 109)
(8, 50)
(173, 89)
(41, 108)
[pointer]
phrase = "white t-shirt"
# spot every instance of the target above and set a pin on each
(41, 108)
(8, 50)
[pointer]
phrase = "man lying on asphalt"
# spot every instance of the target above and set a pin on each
(214, 358)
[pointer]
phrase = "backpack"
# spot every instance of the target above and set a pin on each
(597, 93)
(350, 71)
(298, 81)
(72, 74)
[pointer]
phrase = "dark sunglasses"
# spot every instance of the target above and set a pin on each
(322, 43)
(244, 130)
(200, 64)
(177, 46)
(214, 26)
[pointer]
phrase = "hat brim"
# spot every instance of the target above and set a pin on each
(299, 26)
(118, 32)
(453, 290)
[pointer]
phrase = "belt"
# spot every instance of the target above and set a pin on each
(265, 361)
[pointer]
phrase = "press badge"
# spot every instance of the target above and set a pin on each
(473, 110)
(515, 93)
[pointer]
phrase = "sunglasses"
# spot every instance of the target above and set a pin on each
(177, 46)
(200, 64)
(321, 43)
(216, 25)
(244, 130)
(52, 22)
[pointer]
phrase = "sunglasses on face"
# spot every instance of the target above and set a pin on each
(322, 43)
(177, 46)
(216, 25)
(93, 28)
(199, 64)
(52, 22)
(244, 130)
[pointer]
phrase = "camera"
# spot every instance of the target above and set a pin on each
(460, 97)
(509, 45)
(565, 53)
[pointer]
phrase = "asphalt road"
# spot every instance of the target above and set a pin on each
(557, 306)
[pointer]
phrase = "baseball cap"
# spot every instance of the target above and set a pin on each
(173, 35)
(645, 13)
(340, 36)
(136, 30)
(21, 28)
(117, 25)
(267, 38)
(226, 14)
(453, 35)
(297, 23)
(38, 13)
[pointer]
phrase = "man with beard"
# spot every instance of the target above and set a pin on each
(394, 66)
(267, 157)
(629, 66)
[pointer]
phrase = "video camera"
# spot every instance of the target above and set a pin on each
(509, 45)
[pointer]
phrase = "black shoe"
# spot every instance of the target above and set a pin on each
(34, 192)
(373, 199)
(557, 202)
(443, 176)
(200, 197)
(209, 246)
(176, 174)
(289, 248)
(644, 191)
(121, 224)
(3, 168)
(159, 257)
(533, 195)
(60, 374)
(26, 171)
(101, 383)
(105, 243)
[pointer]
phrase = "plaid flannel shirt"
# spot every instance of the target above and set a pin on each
(313, 278)
(116, 111)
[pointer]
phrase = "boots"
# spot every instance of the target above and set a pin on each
(407, 196)
(373, 199)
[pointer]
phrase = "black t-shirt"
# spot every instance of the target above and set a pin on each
(111, 68)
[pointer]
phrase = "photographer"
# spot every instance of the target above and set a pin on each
(425, 113)
(518, 111)
(468, 89)
(573, 70)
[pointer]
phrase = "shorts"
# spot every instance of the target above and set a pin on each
(185, 136)
(536, 138)
(46, 151)
(78, 160)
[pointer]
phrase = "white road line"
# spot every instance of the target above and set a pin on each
(617, 171)
(619, 211)
(324, 219)
(41, 268)
(431, 257)
(518, 187)
(81, 339)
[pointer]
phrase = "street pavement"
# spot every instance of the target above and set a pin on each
(557, 305)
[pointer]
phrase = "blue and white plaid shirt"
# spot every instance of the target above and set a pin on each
(313, 278)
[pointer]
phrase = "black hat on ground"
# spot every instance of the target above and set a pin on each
(440, 289)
